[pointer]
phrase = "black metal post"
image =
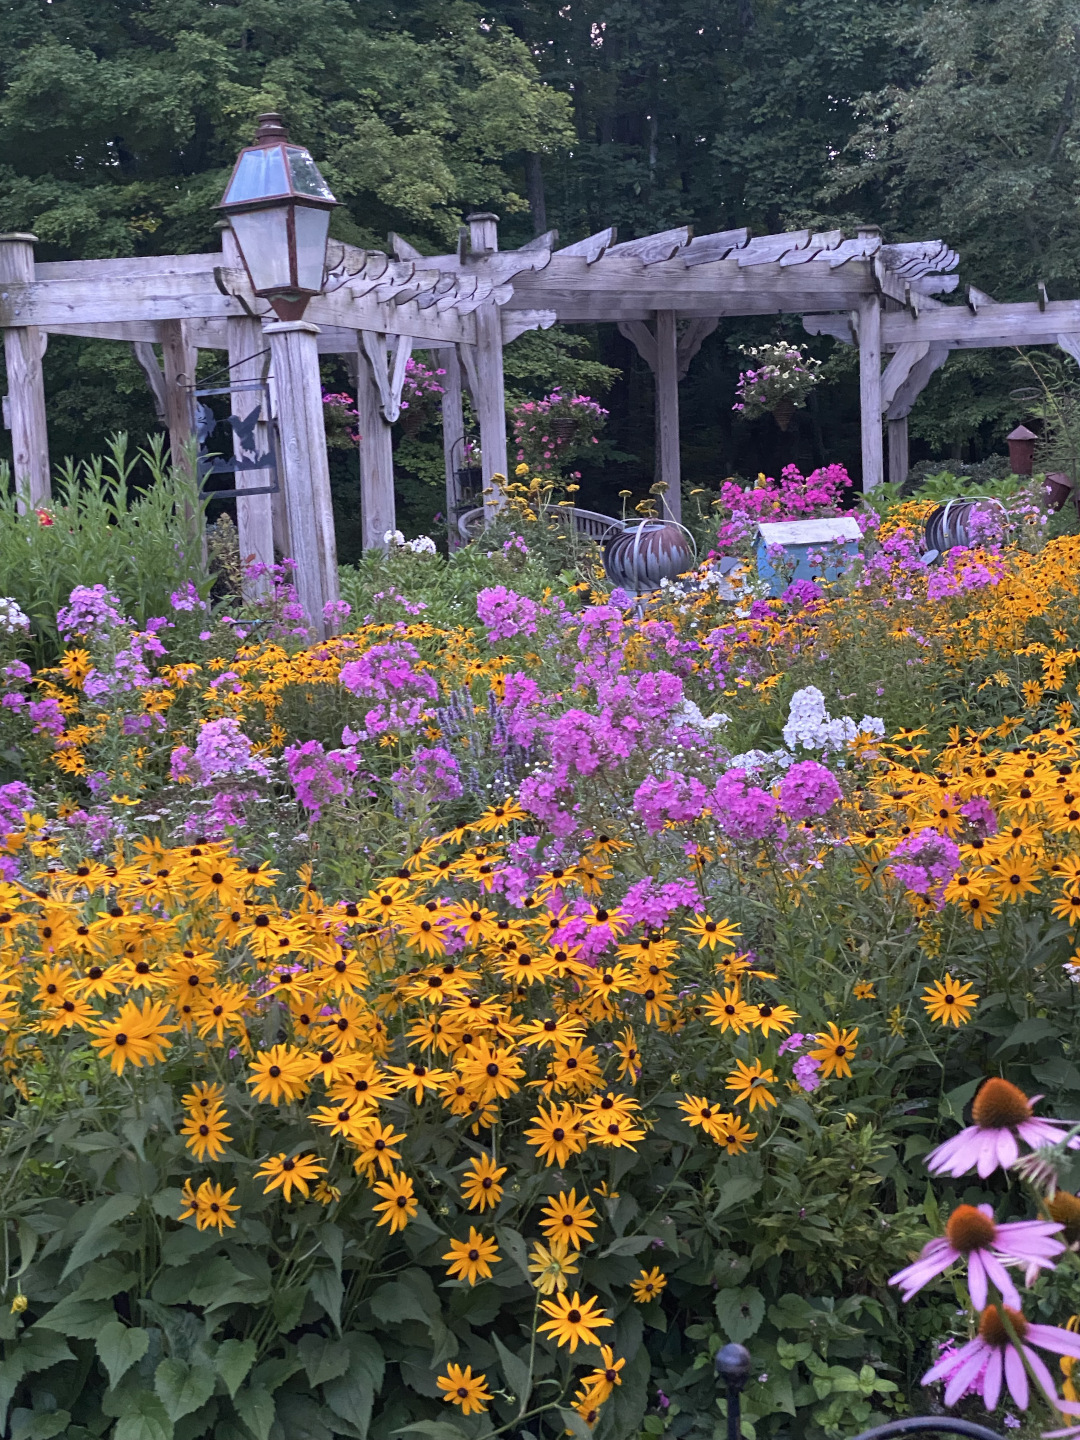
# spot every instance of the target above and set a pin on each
(733, 1367)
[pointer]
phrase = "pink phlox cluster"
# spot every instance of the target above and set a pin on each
(550, 799)
(806, 1071)
(793, 497)
(742, 810)
(925, 863)
(958, 574)
(222, 751)
(15, 799)
(187, 598)
(650, 903)
(46, 717)
(521, 708)
(143, 724)
(791, 1043)
(505, 614)
(420, 382)
(980, 813)
(433, 771)
(336, 612)
(675, 799)
(808, 790)
(128, 669)
(17, 673)
(318, 776)
(91, 610)
(803, 593)
(389, 672)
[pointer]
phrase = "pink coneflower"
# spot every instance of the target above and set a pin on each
(1002, 1116)
(973, 1235)
(992, 1355)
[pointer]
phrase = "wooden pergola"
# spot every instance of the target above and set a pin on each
(666, 292)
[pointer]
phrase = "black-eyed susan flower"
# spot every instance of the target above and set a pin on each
(462, 1388)
(573, 1321)
(728, 1010)
(768, 1018)
(397, 1202)
(471, 1259)
(751, 1084)
(279, 1074)
(602, 1381)
(136, 1036)
(551, 1269)
(376, 1146)
(697, 1110)
(835, 1050)
(289, 1173)
(557, 1133)
(648, 1285)
(864, 990)
(567, 1221)
(489, 1072)
(206, 1134)
(480, 1184)
(735, 1135)
(709, 933)
(949, 1002)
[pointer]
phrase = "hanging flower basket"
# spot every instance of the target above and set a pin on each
(778, 384)
(784, 412)
(550, 431)
(420, 396)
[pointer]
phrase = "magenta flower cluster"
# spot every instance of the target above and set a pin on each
(318, 776)
(505, 614)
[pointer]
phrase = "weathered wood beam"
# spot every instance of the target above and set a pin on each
(489, 387)
(147, 361)
(592, 247)
(306, 473)
(916, 382)
(692, 338)
(899, 368)
(642, 338)
(1007, 323)
(179, 359)
(24, 345)
(453, 431)
(870, 392)
(517, 322)
(898, 450)
(377, 507)
(248, 362)
(667, 412)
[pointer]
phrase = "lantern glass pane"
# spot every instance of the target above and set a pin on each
(260, 175)
(263, 238)
(305, 175)
(312, 228)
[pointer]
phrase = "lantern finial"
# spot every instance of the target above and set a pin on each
(270, 129)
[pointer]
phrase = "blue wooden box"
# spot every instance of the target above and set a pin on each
(834, 541)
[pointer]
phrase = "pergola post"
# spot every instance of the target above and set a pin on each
(179, 360)
(898, 450)
(254, 514)
(377, 508)
(491, 391)
(667, 412)
(453, 433)
(870, 391)
(24, 346)
(294, 355)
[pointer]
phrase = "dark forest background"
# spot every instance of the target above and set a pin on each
(956, 119)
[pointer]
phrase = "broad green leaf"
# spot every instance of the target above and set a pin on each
(515, 1370)
(181, 1245)
(28, 1241)
(11, 1372)
(39, 1349)
(323, 1359)
(140, 1415)
(352, 1394)
(575, 1425)
(734, 1191)
(1028, 1032)
(301, 1417)
(104, 1279)
(183, 1388)
(740, 1312)
(513, 1243)
(233, 1360)
(38, 1424)
(288, 1306)
(328, 1291)
(75, 1316)
(106, 1213)
(119, 1346)
(442, 1430)
(395, 1302)
(256, 1409)
(627, 1245)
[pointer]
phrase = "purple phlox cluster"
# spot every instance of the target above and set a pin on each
(742, 810)
(649, 903)
(925, 863)
(390, 673)
(521, 701)
(791, 1043)
(16, 798)
(282, 605)
(432, 771)
(515, 546)
(673, 800)
(143, 724)
(16, 673)
(801, 593)
(187, 598)
(222, 751)
(550, 799)
(958, 574)
(808, 790)
(318, 776)
(792, 497)
(91, 610)
(980, 814)
(46, 717)
(505, 614)
(806, 1071)
(128, 668)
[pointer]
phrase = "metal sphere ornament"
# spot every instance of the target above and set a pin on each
(644, 553)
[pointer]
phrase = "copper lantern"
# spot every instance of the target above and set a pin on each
(1021, 445)
(279, 208)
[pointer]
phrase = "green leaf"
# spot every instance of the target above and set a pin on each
(740, 1312)
(513, 1243)
(436, 1430)
(395, 1302)
(142, 1417)
(575, 1424)
(1028, 1032)
(515, 1369)
(352, 1394)
(328, 1291)
(89, 1245)
(323, 1359)
(80, 1318)
(734, 1191)
(183, 1388)
(288, 1306)
(628, 1245)
(104, 1279)
(28, 1240)
(181, 1245)
(256, 1409)
(233, 1360)
(11, 1372)
(38, 1424)
(39, 1349)
(120, 1346)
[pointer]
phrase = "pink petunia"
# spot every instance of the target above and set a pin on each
(973, 1235)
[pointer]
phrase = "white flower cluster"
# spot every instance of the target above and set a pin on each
(762, 764)
(689, 714)
(12, 617)
(810, 725)
(422, 545)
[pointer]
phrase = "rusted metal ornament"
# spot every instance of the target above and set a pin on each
(645, 553)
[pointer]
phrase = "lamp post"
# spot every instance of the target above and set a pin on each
(279, 208)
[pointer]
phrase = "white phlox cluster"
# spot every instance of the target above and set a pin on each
(810, 725)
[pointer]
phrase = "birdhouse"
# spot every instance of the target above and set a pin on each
(1021, 450)
(821, 549)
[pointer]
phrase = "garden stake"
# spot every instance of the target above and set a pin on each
(733, 1367)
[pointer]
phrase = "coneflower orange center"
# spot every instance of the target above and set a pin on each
(999, 1105)
(992, 1330)
(969, 1229)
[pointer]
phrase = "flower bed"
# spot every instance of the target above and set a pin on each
(468, 1023)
